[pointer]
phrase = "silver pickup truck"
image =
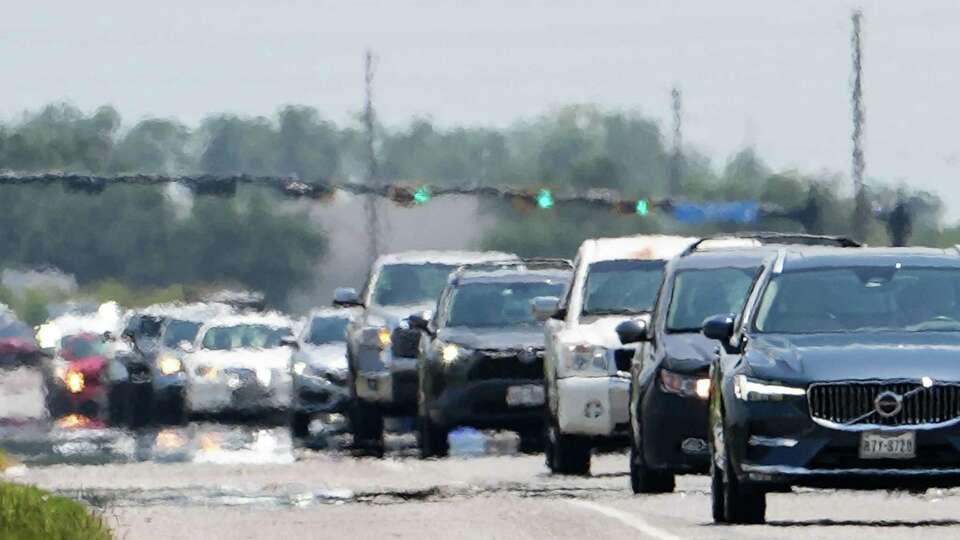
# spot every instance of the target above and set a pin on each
(587, 370)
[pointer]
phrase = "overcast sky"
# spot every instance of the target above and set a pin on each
(774, 74)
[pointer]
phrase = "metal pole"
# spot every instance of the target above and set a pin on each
(676, 159)
(373, 228)
(861, 210)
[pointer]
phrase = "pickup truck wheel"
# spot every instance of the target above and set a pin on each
(646, 480)
(570, 454)
(367, 423)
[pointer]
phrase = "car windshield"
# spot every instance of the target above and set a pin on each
(83, 347)
(244, 336)
(621, 287)
(698, 294)
(178, 331)
(861, 299)
(498, 303)
(327, 330)
(404, 284)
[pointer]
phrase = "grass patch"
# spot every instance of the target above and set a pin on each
(29, 513)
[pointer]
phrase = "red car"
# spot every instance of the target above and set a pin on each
(78, 381)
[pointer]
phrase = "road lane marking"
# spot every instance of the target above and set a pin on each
(631, 520)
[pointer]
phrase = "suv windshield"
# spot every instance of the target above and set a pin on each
(698, 294)
(179, 331)
(327, 330)
(498, 304)
(403, 284)
(246, 336)
(621, 287)
(861, 299)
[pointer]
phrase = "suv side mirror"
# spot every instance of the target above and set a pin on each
(346, 296)
(290, 341)
(418, 321)
(719, 327)
(633, 331)
(544, 307)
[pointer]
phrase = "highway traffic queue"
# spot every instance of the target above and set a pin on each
(765, 360)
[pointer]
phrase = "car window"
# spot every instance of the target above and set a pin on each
(621, 287)
(327, 330)
(861, 299)
(177, 331)
(244, 336)
(498, 304)
(698, 294)
(404, 284)
(83, 347)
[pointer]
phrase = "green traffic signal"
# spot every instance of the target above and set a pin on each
(422, 195)
(545, 199)
(642, 207)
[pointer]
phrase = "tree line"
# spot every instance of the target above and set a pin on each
(155, 237)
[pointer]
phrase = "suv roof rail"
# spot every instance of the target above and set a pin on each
(529, 263)
(778, 238)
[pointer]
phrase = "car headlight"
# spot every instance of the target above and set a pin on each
(450, 353)
(384, 336)
(753, 390)
(207, 372)
(169, 365)
(684, 385)
(299, 367)
(74, 381)
(585, 360)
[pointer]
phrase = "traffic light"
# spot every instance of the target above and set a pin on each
(643, 208)
(545, 199)
(422, 195)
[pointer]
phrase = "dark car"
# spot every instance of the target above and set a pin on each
(481, 358)
(670, 379)
(840, 371)
(320, 373)
(380, 350)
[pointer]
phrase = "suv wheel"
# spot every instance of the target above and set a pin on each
(367, 422)
(646, 480)
(433, 438)
(732, 501)
(568, 454)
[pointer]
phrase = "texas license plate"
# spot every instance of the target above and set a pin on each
(888, 445)
(525, 395)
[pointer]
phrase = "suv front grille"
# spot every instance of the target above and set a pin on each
(845, 402)
(506, 364)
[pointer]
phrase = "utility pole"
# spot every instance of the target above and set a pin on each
(676, 160)
(862, 205)
(373, 225)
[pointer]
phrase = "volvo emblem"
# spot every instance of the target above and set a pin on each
(888, 404)
(528, 355)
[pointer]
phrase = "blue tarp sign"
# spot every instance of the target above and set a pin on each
(737, 211)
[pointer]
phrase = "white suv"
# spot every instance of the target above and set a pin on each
(587, 370)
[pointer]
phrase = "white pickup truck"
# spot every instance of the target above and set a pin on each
(587, 370)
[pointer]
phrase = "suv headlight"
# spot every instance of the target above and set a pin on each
(168, 365)
(450, 353)
(753, 390)
(684, 385)
(585, 360)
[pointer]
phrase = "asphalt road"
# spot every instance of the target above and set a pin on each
(218, 481)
